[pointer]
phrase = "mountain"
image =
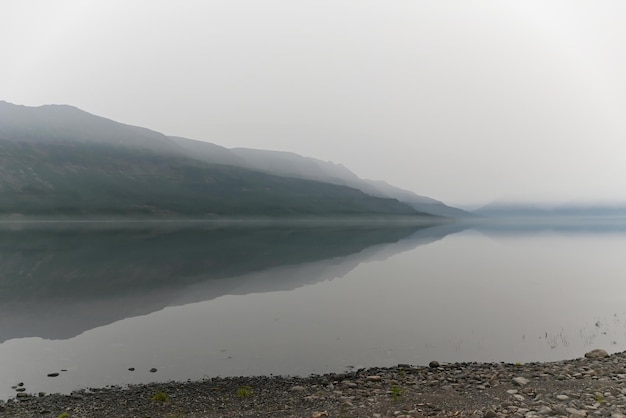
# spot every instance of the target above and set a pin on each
(289, 164)
(59, 161)
(541, 210)
(62, 124)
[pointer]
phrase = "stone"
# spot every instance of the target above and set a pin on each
(545, 410)
(597, 353)
(373, 378)
(520, 381)
(433, 364)
(132, 369)
(22, 389)
(153, 370)
(319, 414)
(297, 389)
(576, 412)
(53, 374)
(562, 397)
(490, 414)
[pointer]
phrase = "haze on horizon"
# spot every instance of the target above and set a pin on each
(466, 102)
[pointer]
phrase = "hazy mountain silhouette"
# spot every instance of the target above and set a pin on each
(50, 272)
(289, 164)
(60, 161)
(561, 210)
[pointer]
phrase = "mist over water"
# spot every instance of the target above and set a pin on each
(200, 300)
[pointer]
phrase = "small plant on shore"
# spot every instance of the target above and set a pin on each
(518, 364)
(599, 398)
(396, 392)
(64, 415)
(244, 392)
(160, 397)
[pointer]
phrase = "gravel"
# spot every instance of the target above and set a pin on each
(592, 386)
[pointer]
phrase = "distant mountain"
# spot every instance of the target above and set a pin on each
(296, 166)
(562, 210)
(61, 161)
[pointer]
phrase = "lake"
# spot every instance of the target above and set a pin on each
(91, 300)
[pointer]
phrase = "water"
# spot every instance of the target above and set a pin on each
(201, 300)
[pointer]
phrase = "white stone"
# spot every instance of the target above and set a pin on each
(520, 381)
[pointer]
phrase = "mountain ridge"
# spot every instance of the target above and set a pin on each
(285, 163)
(57, 158)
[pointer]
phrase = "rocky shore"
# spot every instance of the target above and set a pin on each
(590, 386)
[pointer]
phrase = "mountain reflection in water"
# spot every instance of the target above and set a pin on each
(59, 280)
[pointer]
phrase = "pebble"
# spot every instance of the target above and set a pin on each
(520, 381)
(576, 412)
(597, 353)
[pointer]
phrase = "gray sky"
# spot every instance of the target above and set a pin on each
(463, 101)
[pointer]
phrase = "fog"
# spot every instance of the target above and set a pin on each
(467, 102)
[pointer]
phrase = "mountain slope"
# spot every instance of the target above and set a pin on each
(61, 161)
(67, 124)
(294, 165)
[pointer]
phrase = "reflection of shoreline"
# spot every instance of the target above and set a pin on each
(364, 221)
(561, 225)
(203, 269)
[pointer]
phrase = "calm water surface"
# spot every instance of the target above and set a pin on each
(199, 301)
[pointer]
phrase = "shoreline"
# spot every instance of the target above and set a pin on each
(588, 386)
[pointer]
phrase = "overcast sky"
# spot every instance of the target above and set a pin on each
(464, 101)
